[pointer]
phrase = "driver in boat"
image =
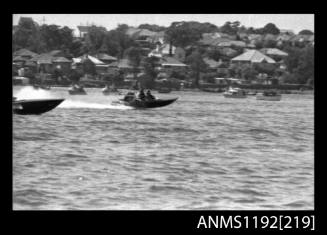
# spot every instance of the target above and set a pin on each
(149, 96)
(141, 94)
(129, 96)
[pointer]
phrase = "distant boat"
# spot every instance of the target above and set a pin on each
(251, 93)
(235, 93)
(269, 95)
(34, 106)
(107, 90)
(43, 87)
(76, 90)
(164, 90)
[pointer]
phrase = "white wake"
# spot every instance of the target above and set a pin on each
(82, 104)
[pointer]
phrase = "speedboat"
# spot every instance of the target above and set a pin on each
(235, 93)
(107, 90)
(269, 95)
(76, 90)
(34, 106)
(130, 100)
(252, 93)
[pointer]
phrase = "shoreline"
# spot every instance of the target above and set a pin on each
(282, 91)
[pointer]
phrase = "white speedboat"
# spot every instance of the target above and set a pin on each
(235, 93)
(269, 95)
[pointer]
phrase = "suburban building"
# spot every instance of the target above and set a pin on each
(274, 53)
(253, 56)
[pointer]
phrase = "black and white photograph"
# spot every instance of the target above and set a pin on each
(163, 112)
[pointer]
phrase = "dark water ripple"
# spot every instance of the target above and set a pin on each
(202, 152)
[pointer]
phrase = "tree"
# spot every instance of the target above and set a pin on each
(134, 54)
(269, 43)
(116, 41)
(306, 32)
(248, 72)
(197, 65)
(182, 34)
(26, 35)
(94, 39)
(230, 27)
(54, 37)
(305, 69)
(271, 28)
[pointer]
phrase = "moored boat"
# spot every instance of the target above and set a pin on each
(76, 90)
(251, 93)
(235, 93)
(43, 87)
(107, 90)
(269, 95)
(34, 106)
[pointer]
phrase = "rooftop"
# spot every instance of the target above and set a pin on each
(254, 56)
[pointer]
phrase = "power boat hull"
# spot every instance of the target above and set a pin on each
(77, 92)
(35, 106)
(141, 104)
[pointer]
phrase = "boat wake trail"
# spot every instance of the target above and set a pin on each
(31, 93)
(82, 104)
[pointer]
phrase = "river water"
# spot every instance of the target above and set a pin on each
(203, 152)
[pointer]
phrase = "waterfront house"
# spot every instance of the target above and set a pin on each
(62, 64)
(83, 30)
(274, 53)
(169, 64)
(24, 53)
(105, 58)
(158, 37)
(253, 56)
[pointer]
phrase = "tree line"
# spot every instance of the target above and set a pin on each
(44, 38)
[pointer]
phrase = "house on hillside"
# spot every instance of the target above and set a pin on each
(239, 44)
(92, 65)
(105, 58)
(213, 42)
(83, 30)
(143, 37)
(163, 50)
(253, 57)
(274, 53)
(171, 64)
(62, 64)
(24, 53)
(158, 37)
(50, 62)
